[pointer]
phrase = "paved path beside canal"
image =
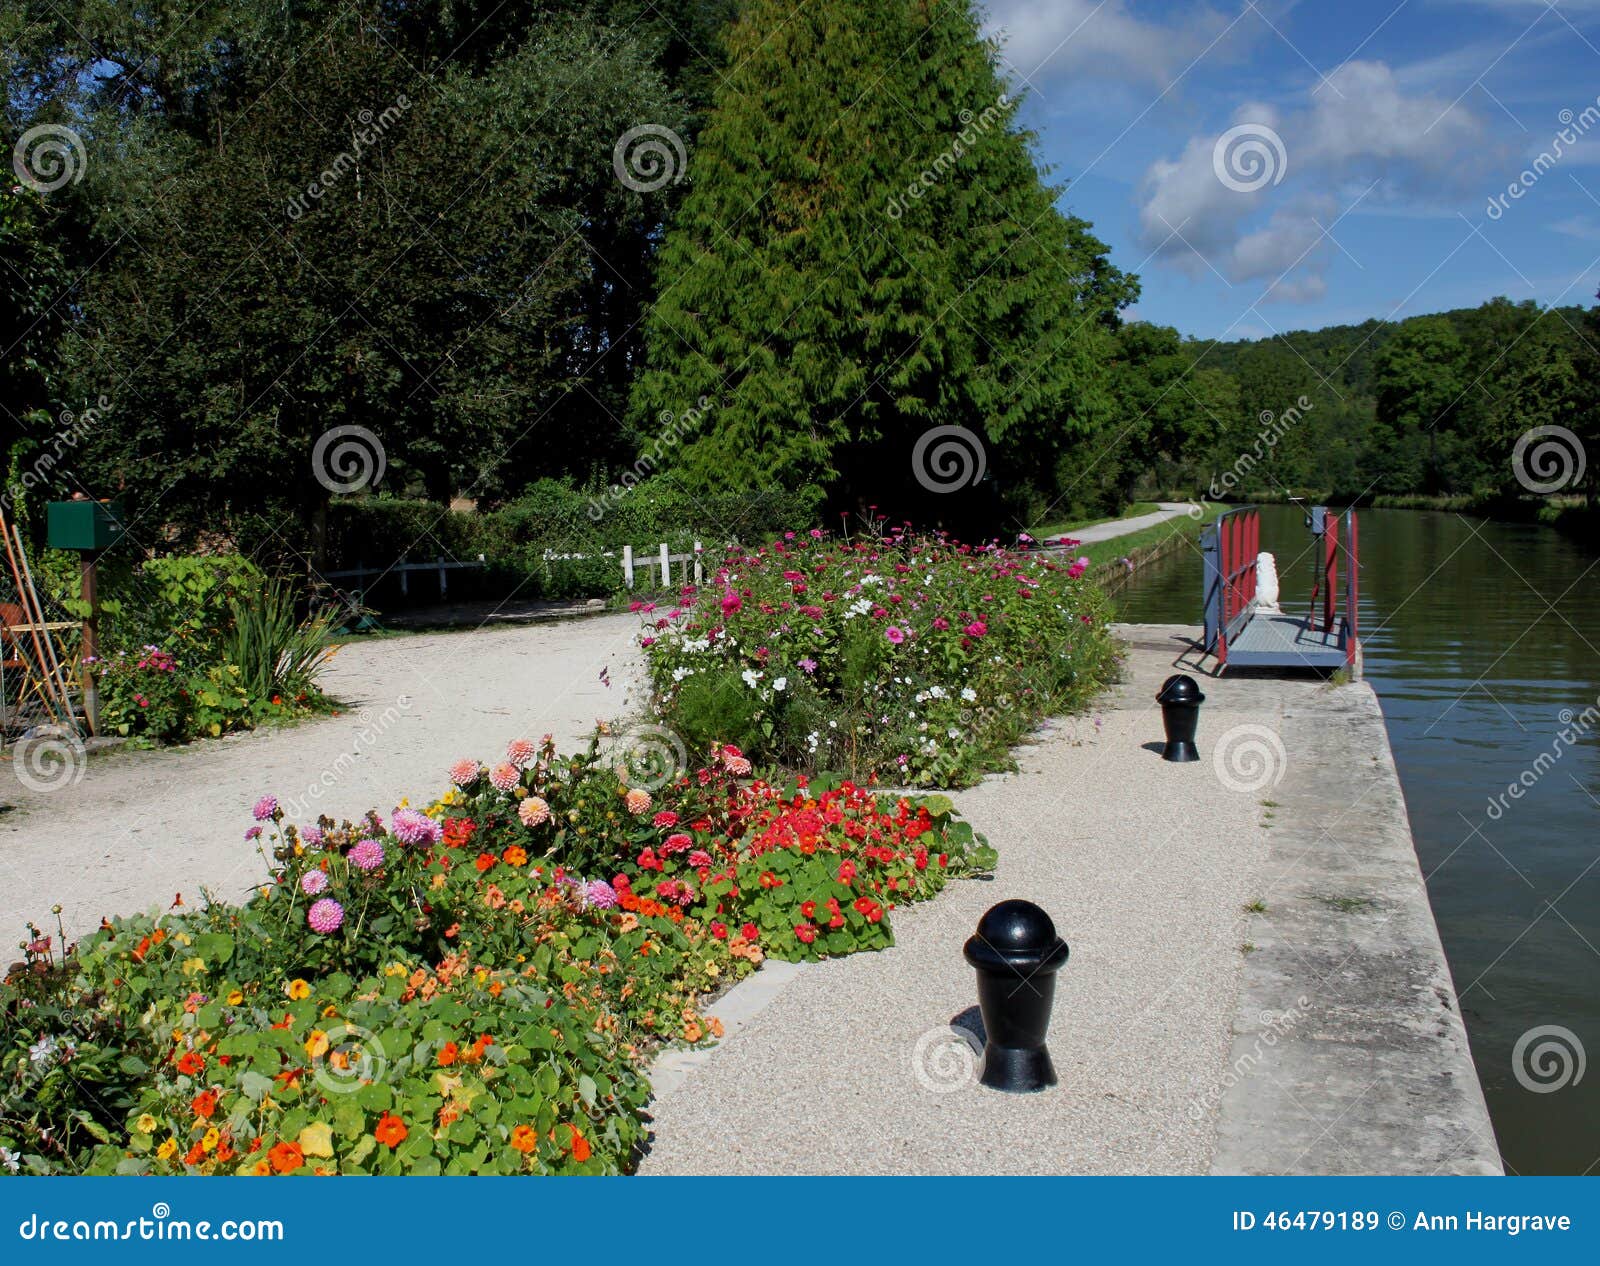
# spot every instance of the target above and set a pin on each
(1138, 523)
(1255, 981)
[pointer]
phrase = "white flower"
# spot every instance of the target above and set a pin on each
(10, 1159)
(682, 671)
(780, 685)
(969, 694)
(42, 1050)
(751, 677)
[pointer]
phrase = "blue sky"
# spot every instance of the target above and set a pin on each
(1285, 165)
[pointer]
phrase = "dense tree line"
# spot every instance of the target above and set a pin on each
(415, 218)
(1429, 406)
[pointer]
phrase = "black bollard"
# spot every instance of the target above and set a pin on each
(1017, 954)
(1180, 701)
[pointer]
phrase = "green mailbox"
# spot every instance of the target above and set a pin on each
(83, 525)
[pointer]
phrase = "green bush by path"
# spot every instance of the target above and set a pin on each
(912, 658)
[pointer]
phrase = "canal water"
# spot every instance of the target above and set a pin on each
(1481, 639)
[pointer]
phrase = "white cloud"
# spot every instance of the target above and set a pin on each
(1051, 37)
(1252, 203)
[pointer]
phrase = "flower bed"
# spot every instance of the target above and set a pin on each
(913, 658)
(474, 988)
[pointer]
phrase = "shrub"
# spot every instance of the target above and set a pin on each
(912, 658)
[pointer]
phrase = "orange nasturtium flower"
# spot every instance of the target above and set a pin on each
(390, 1131)
(190, 1063)
(298, 989)
(580, 1145)
(524, 1138)
(286, 1157)
(448, 1054)
(515, 856)
(204, 1104)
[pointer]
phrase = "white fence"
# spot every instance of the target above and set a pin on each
(635, 566)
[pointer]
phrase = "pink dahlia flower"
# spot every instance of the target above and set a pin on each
(366, 855)
(465, 772)
(601, 894)
(665, 818)
(326, 916)
(313, 882)
(533, 811)
(505, 777)
(520, 752)
(311, 836)
(412, 827)
(638, 801)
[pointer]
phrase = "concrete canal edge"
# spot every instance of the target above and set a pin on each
(1349, 1052)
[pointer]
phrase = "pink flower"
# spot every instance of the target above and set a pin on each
(366, 855)
(505, 777)
(976, 629)
(638, 801)
(601, 894)
(895, 634)
(326, 916)
(809, 664)
(699, 858)
(533, 811)
(311, 836)
(465, 772)
(677, 842)
(731, 602)
(265, 808)
(665, 819)
(313, 882)
(411, 827)
(520, 752)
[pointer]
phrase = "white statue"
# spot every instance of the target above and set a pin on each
(1266, 582)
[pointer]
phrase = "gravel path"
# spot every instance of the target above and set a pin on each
(1146, 868)
(1124, 527)
(142, 826)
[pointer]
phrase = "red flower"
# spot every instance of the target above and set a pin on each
(808, 909)
(189, 1064)
(485, 860)
(806, 933)
(750, 932)
(719, 930)
(847, 871)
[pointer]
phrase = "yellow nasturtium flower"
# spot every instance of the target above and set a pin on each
(317, 1044)
(146, 1124)
(168, 1149)
(298, 989)
(235, 998)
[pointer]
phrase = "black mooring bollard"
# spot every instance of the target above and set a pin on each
(1180, 701)
(1017, 954)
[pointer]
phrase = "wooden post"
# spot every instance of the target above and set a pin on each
(698, 576)
(666, 567)
(91, 645)
(627, 565)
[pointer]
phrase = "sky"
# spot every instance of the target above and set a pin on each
(1290, 164)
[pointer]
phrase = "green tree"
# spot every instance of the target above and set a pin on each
(867, 251)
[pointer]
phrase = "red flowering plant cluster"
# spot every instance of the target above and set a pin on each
(912, 657)
(470, 986)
